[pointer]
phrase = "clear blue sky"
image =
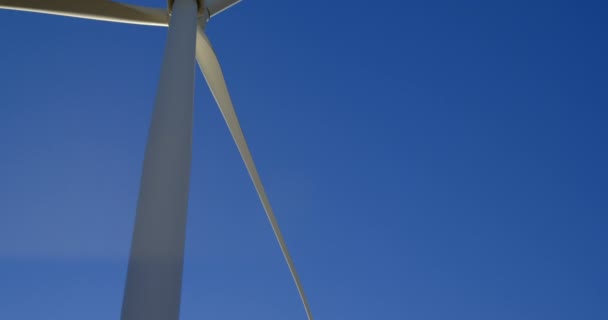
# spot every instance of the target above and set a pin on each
(427, 160)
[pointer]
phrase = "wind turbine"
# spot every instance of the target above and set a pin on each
(154, 276)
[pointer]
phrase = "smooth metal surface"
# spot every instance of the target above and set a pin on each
(210, 66)
(92, 9)
(154, 277)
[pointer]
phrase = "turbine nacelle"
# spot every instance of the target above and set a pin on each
(200, 3)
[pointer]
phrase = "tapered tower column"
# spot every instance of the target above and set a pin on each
(154, 277)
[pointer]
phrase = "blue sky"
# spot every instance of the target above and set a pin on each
(426, 160)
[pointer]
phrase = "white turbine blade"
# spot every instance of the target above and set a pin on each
(217, 6)
(210, 66)
(92, 9)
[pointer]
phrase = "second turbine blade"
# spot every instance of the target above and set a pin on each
(210, 66)
(92, 9)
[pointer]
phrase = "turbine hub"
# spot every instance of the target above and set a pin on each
(200, 3)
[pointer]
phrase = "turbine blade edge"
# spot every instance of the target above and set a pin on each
(101, 10)
(212, 71)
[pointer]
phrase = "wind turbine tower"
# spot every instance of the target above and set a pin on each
(154, 275)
